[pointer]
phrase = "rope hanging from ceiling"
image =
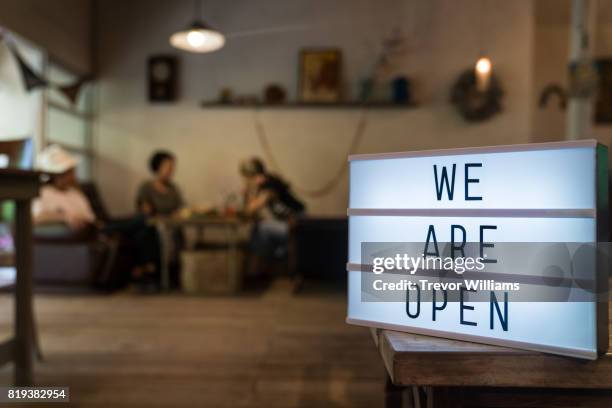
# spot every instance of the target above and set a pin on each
(392, 48)
(328, 186)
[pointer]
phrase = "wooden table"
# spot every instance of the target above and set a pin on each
(436, 372)
(21, 186)
(165, 227)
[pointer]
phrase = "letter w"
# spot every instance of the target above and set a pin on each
(450, 188)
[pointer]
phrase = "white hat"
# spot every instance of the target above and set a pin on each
(54, 159)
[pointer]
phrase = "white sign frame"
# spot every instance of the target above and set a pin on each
(599, 213)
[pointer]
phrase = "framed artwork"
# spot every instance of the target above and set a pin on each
(320, 76)
(603, 102)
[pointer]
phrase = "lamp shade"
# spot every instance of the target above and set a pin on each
(199, 37)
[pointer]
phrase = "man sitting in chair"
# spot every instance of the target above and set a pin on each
(61, 200)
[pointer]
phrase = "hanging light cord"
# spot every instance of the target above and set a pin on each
(197, 8)
(329, 185)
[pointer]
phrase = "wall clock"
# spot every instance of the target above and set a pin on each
(162, 78)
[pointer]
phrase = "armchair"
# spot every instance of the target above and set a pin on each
(64, 258)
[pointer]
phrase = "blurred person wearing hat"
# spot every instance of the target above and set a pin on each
(61, 200)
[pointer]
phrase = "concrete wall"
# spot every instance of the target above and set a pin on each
(61, 27)
(444, 37)
(58, 29)
(551, 45)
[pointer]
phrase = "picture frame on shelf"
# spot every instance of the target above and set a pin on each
(320, 76)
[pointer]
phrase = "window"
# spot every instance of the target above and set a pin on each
(20, 111)
(70, 124)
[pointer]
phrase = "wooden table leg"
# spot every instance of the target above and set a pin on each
(393, 395)
(23, 295)
(444, 397)
(164, 243)
(232, 240)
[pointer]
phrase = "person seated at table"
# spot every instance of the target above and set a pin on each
(61, 201)
(268, 199)
(160, 196)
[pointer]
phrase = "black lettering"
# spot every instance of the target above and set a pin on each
(450, 188)
(469, 180)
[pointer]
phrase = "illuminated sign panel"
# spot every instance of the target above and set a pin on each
(540, 194)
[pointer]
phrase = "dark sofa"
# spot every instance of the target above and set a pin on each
(319, 247)
(63, 258)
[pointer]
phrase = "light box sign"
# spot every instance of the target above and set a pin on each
(498, 245)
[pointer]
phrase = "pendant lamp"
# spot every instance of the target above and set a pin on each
(198, 36)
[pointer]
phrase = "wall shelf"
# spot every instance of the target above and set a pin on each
(306, 105)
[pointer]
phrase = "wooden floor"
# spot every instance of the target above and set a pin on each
(269, 349)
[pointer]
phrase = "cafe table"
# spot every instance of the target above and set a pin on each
(21, 186)
(434, 372)
(231, 229)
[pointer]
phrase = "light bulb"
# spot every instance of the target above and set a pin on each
(483, 65)
(196, 38)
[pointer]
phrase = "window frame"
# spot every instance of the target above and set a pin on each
(87, 117)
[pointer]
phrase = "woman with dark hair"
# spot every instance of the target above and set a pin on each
(160, 196)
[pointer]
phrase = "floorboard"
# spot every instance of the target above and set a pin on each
(268, 349)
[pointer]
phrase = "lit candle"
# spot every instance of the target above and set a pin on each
(483, 73)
